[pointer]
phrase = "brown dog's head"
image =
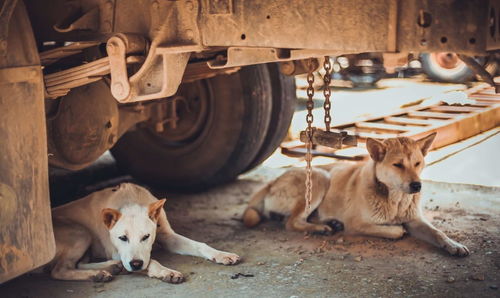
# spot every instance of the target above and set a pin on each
(399, 161)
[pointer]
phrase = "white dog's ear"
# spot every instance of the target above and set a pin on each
(154, 209)
(110, 217)
(376, 149)
(426, 142)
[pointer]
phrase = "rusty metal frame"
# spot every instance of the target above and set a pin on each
(243, 32)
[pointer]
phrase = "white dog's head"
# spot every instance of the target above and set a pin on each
(132, 231)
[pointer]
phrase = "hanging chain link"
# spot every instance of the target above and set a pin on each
(309, 132)
(327, 92)
(309, 119)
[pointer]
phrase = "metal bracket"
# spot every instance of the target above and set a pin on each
(237, 56)
(117, 49)
(159, 76)
(240, 56)
(329, 138)
(297, 67)
(479, 70)
(87, 21)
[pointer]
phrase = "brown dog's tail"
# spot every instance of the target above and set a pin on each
(253, 213)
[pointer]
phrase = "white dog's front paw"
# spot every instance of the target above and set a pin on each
(456, 249)
(226, 258)
(171, 276)
(102, 276)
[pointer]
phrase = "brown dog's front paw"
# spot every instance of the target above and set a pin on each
(323, 230)
(226, 258)
(456, 249)
(173, 277)
(395, 232)
(102, 276)
(336, 225)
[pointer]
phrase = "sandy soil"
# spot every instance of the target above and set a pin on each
(278, 263)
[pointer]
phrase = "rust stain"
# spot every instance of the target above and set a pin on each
(8, 204)
(12, 259)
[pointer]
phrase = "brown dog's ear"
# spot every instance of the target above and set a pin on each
(426, 142)
(110, 217)
(154, 209)
(376, 149)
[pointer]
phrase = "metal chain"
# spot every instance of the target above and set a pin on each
(309, 132)
(327, 92)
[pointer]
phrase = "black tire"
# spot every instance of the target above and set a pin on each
(234, 129)
(283, 106)
(456, 74)
(366, 80)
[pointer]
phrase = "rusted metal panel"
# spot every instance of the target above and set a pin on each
(493, 32)
(444, 25)
(26, 237)
(335, 25)
(467, 26)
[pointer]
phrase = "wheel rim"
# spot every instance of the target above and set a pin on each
(447, 60)
(194, 113)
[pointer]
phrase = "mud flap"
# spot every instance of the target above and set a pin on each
(26, 236)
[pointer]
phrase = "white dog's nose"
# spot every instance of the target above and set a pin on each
(136, 264)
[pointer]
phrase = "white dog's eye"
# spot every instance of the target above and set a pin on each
(123, 238)
(145, 237)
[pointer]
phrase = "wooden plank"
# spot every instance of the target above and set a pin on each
(480, 104)
(431, 115)
(383, 126)
(455, 109)
(409, 121)
(463, 127)
(300, 152)
(486, 99)
(489, 91)
(485, 96)
(365, 135)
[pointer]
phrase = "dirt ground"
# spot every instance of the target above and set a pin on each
(278, 263)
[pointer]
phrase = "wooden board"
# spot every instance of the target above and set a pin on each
(453, 123)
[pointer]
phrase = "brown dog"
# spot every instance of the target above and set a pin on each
(379, 197)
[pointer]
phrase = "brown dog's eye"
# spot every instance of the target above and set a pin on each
(417, 164)
(399, 165)
(123, 238)
(145, 237)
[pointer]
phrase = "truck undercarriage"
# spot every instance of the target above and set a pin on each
(187, 94)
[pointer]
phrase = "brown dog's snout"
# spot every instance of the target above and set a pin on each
(415, 186)
(136, 264)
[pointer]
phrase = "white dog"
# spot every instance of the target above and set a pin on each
(120, 225)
